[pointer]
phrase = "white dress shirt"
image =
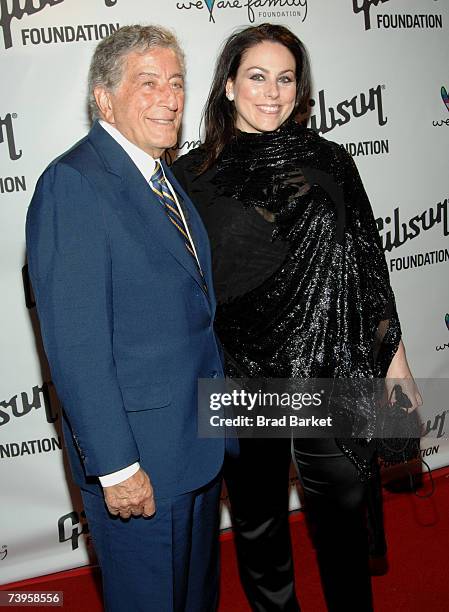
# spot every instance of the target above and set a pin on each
(146, 164)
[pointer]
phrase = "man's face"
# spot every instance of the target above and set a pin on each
(147, 105)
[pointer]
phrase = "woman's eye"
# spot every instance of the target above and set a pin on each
(257, 77)
(286, 79)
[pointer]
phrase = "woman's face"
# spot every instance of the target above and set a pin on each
(264, 89)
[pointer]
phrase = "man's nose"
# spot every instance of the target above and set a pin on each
(169, 98)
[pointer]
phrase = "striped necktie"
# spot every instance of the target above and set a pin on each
(159, 186)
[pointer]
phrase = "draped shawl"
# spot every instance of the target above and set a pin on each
(328, 310)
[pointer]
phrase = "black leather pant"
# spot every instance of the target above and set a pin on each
(257, 483)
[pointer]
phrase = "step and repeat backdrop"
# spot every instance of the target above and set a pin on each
(381, 82)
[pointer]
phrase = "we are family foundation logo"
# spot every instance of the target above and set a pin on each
(442, 347)
(255, 9)
(445, 100)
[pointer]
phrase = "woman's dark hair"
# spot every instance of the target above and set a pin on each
(219, 112)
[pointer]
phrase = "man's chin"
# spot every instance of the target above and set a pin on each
(167, 141)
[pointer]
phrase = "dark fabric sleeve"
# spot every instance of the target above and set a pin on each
(376, 299)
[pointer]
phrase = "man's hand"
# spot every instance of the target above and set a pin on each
(132, 497)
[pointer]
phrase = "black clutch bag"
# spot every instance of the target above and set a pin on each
(398, 431)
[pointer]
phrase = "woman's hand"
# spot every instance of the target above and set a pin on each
(399, 374)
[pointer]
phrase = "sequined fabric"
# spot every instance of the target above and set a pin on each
(322, 306)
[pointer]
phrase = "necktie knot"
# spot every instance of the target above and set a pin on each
(158, 175)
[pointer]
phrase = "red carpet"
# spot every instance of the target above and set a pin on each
(417, 581)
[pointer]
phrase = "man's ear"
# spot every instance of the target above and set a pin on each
(104, 103)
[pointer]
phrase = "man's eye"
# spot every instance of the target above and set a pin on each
(149, 83)
(178, 85)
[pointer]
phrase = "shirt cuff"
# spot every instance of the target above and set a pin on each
(114, 478)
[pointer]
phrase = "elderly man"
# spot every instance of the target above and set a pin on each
(119, 262)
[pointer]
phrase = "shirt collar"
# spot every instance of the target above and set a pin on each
(144, 162)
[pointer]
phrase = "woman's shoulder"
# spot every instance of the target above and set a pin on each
(322, 144)
(187, 168)
(190, 162)
(328, 155)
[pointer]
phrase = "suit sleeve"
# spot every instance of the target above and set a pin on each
(70, 269)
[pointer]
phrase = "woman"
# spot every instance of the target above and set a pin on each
(303, 291)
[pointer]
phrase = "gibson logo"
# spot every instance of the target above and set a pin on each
(17, 12)
(401, 232)
(6, 128)
(71, 526)
(436, 426)
(364, 6)
(30, 302)
(358, 106)
(25, 406)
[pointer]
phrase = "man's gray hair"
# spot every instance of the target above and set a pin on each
(106, 68)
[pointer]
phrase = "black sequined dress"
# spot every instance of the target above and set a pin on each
(301, 279)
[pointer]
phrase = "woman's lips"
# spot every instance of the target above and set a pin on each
(269, 109)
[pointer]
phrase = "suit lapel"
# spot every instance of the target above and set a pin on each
(136, 191)
(153, 215)
(198, 231)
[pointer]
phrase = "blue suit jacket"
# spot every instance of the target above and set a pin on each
(126, 325)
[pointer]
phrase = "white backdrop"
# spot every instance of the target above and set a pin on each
(380, 74)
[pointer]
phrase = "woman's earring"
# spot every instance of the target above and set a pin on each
(230, 96)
